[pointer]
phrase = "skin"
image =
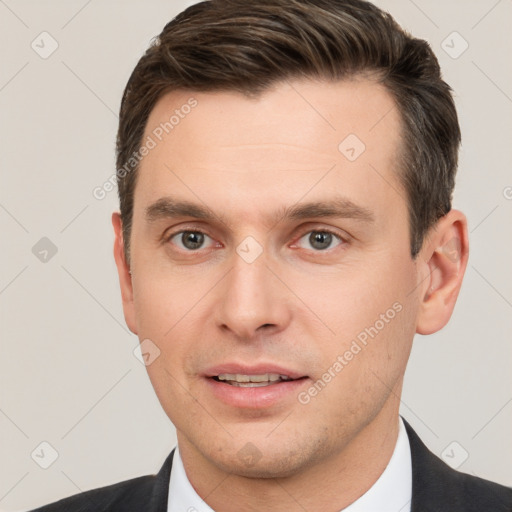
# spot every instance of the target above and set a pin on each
(247, 161)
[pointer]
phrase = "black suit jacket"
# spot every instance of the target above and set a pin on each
(435, 488)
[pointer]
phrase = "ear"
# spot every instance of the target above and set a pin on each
(442, 259)
(123, 270)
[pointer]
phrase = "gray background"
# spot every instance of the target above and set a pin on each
(68, 373)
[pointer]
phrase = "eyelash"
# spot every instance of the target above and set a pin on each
(337, 236)
(169, 237)
(342, 240)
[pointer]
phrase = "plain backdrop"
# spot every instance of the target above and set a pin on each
(69, 376)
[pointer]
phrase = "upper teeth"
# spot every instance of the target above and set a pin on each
(266, 377)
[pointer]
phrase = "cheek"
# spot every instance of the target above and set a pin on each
(174, 395)
(163, 302)
(360, 373)
(353, 297)
(174, 312)
(372, 314)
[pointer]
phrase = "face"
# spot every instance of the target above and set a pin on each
(271, 266)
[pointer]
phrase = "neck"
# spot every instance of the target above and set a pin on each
(331, 484)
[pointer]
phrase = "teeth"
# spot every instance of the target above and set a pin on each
(251, 381)
(249, 384)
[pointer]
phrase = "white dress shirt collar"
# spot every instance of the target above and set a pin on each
(390, 493)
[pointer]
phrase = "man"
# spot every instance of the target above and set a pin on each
(285, 172)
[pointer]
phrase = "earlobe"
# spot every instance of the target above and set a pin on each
(443, 258)
(124, 273)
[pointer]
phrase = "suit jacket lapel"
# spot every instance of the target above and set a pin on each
(160, 494)
(434, 484)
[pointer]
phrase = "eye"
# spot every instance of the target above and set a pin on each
(190, 240)
(319, 240)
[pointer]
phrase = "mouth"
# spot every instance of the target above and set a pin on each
(252, 381)
(259, 386)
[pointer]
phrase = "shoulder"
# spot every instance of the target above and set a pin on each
(147, 493)
(437, 487)
(119, 497)
(470, 493)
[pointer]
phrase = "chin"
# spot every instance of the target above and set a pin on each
(268, 458)
(278, 465)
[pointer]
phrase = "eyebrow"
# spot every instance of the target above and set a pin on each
(338, 207)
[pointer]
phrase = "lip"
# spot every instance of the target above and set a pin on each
(257, 397)
(258, 369)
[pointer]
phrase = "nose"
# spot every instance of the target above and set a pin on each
(252, 300)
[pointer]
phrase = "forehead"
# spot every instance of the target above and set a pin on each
(300, 137)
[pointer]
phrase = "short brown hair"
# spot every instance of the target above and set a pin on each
(247, 46)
